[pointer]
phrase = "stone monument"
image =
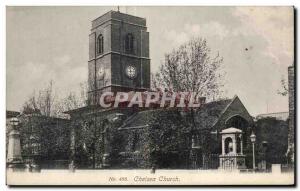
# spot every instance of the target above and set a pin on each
(14, 157)
(232, 156)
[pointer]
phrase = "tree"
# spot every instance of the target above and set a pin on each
(47, 103)
(165, 141)
(191, 68)
(51, 134)
(284, 89)
(41, 103)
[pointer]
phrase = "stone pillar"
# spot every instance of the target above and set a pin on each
(234, 143)
(14, 157)
(241, 145)
(223, 146)
(14, 147)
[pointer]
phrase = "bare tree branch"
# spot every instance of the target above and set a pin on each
(191, 68)
(284, 90)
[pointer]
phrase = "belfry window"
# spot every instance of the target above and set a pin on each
(100, 44)
(129, 43)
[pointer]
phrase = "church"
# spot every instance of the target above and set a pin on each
(216, 135)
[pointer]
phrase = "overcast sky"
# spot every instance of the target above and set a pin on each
(45, 43)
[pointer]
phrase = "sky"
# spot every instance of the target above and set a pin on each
(51, 43)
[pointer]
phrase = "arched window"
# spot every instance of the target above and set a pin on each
(129, 43)
(237, 122)
(100, 44)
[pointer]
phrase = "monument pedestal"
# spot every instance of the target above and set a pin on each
(232, 156)
(16, 167)
(232, 161)
(14, 158)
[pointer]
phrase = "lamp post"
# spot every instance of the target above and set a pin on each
(253, 139)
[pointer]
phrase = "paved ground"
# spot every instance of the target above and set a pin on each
(142, 177)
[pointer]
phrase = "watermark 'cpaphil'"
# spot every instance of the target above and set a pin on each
(150, 99)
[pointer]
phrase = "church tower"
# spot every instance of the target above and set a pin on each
(118, 55)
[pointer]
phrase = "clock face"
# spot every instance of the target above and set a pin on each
(131, 71)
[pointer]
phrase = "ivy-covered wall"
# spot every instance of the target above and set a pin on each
(163, 141)
(275, 133)
(45, 141)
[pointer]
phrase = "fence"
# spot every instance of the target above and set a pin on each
(210, 161)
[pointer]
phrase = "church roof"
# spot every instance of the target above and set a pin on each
(89, 108)
(278, 115)
(209, 113)
(206, 115)
(139, 119)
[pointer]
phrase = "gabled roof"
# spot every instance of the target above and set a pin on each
(209, 113)
(206, 116)
(145, 118)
